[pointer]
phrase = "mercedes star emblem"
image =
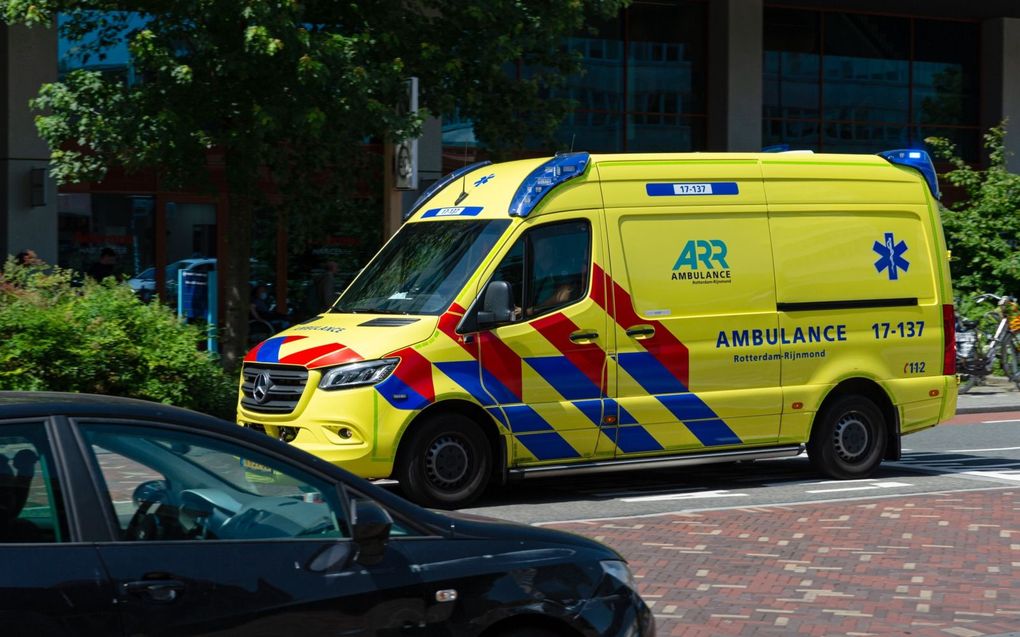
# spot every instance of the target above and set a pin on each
(260, 390)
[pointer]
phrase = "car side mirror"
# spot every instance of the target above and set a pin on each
(498, 306)
(494, 306)
(370, 531)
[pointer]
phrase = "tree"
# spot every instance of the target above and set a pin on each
(983, 231)
(288, 91)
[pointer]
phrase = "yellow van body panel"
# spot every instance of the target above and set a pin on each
(728, 295)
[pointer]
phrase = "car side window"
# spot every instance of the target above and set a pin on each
(31, 505)
(547, 268)
(167, 485)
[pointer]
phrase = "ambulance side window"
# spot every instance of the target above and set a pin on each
(548, 267)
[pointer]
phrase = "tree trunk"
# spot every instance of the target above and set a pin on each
(234, 267)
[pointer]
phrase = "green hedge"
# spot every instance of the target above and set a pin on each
(59, 334)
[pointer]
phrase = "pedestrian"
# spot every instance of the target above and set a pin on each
(27, 257)
(105, 266)
(262, 310)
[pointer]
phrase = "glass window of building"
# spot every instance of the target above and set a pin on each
(642, 87)
(91, 226)
(847, 82)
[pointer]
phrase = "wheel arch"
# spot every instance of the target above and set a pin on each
(464, 408)
(874, 392)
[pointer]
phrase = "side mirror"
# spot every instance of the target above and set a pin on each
(370, 532)
(494, 306)
(498, 306)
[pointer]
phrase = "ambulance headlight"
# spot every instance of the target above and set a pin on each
(358, 374)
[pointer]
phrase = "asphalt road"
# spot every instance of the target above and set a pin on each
(974, 451)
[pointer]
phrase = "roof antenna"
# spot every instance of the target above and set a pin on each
(572, 138)
(463, 180)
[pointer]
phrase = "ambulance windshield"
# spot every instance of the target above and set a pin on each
(422, 269)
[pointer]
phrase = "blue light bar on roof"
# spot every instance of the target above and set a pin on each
(442, 183)
(552, 173)
(920, 161)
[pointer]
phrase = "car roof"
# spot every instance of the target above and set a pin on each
(14, 404)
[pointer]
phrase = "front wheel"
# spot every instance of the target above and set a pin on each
(848, 438)
(446, 463)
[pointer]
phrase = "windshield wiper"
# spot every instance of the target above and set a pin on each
(366, 310)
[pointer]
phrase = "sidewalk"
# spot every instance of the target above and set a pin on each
(938, 565)
(997, 394)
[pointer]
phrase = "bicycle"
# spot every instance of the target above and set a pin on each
(995, 338)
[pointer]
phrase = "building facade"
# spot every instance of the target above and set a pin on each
(664, 75)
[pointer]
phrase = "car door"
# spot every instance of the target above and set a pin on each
(51, 583)
(209, 536)
(546, 369)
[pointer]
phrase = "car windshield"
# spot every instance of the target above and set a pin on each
(422, 269)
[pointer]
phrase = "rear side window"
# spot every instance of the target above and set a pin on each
(698, 263)
(858, 255)
(31, 508)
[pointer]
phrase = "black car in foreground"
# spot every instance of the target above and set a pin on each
(125, 517)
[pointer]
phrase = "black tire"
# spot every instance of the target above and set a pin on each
(848, 439)
(446, 463)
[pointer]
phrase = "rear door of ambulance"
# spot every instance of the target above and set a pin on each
(692, 296)
(854, 265)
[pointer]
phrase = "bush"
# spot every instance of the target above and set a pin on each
(57, 334)
(983, 231)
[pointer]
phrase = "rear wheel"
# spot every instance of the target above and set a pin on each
(848, 439)
(1011, 361)
(446, 463)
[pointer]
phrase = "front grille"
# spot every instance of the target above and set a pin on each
(286, 384)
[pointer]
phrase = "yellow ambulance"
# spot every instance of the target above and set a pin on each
(610, 312)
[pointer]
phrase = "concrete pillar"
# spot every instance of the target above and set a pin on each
(734, 75)
(28, 58)
(1000, 88)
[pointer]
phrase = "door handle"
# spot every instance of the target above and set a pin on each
(641, 332)
(583, 336)
(162, 591)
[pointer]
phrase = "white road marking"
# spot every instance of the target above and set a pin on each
(994, 422)
(686, 496)
(875, 485)
(981, 450)
(1002, 475)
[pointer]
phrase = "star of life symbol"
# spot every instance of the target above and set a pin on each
(484, 180)
(891, 256)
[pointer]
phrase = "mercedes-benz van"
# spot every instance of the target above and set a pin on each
(609, 312)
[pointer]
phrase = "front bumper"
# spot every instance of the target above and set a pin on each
(623, 614)
(348, 428)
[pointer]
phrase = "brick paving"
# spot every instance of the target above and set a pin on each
(945, 565)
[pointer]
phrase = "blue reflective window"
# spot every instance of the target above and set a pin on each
(643, 84)
(842, 82)
(91, 51)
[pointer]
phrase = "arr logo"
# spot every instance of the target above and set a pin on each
(705, 252)
(702, 261)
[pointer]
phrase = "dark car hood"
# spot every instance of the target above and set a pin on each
(467, 525)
